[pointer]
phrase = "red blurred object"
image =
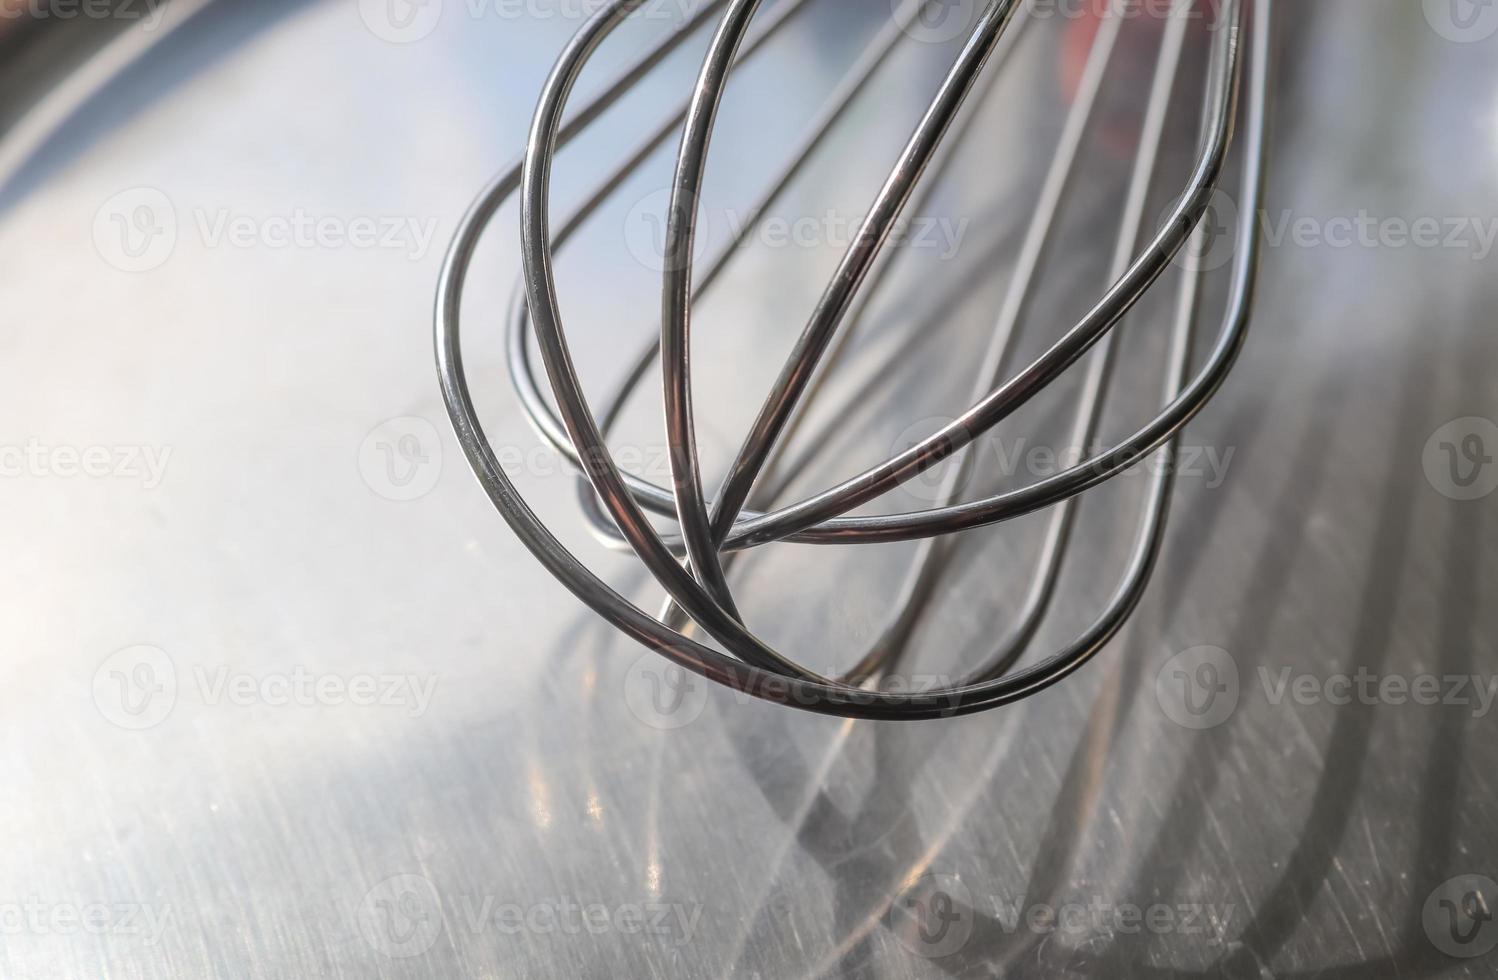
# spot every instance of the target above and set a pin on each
(1133, 65)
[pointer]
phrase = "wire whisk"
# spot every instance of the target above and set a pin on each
(692, 564)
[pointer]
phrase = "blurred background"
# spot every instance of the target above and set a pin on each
(285, 698)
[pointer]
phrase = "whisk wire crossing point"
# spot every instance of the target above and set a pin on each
(713, 533)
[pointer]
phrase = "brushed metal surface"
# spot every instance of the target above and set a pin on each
(283, 698)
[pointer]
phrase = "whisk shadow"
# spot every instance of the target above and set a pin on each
(219, 28)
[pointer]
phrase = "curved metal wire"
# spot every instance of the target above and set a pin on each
(701, 589)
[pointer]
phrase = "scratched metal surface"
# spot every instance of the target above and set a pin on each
(283, 698)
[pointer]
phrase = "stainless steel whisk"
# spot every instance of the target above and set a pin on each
(712, 534)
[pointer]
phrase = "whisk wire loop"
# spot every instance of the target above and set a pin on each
(617, 502)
